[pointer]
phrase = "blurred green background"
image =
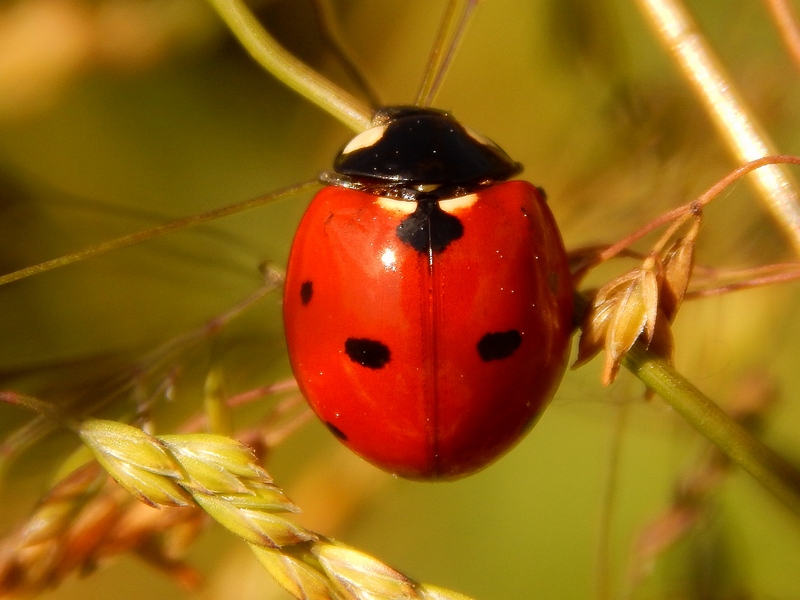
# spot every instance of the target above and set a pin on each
(117, 115)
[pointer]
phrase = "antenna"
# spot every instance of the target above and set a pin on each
(451, 31)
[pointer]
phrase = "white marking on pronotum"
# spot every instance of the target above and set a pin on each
(365, 139)
(479, 137)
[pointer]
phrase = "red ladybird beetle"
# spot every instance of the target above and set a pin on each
(428, 302)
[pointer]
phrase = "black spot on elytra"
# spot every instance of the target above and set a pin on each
(429, 228)
(367, 353)
(306, 292)
(542, 192)
(496, 346)
(336, 431)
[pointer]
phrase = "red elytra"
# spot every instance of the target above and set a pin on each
(428, 364)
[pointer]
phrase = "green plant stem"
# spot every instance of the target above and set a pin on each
(288, 69)
(771, 470)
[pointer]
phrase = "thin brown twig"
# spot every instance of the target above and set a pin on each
(751, 278)
(690, 207)
(160, 230)
(199, 421)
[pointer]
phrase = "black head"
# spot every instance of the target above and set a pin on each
(412, 148)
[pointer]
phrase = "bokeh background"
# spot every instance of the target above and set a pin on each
(117, 115)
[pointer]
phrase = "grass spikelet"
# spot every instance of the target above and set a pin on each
(219, 474)
(358, 576)
(224, 478)
(327, 570)
(295, 575)
(219, 451)
(215, 462)
(255, 526)
(137, 461)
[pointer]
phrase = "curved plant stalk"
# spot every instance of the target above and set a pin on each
(333, 38)
(736, 125)
(288, 69)
(148, 234)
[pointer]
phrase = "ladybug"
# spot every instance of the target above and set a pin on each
(428, 301)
